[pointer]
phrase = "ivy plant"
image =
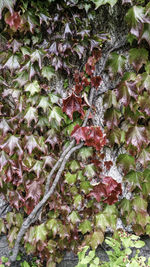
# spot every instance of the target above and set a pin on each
(52, 160)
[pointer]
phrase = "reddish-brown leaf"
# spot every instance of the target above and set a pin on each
(71, 104)
(90, 66)
(34, 190)
(92, 136)
(108, 189)
(95, 81)
(14, 20)
(78, 88)
(108, 164)
(16, 199)
(96, 53)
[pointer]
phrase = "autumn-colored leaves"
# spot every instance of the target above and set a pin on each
(108, 190)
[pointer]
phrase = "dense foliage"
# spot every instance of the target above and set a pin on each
(38, 122)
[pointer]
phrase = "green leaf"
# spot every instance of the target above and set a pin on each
(97, 238)
(2, 226)
(115, 64)
(85, 227)
(22, 78)
(70, 178)
(112, 117)
(18, 219)
(143, 102)
(31, 144)
(37, 168)
(139, 204)
(110, 100)
(51, 245)
(146, 33)
(85, 153)
(134, 179)
(135, 16)
(30, 248)
(55, 117)
(7, 3)
(53, 224)
(77, 202)
(48, 72)
(12, 63)
(116, 136)
(74, 217)
(99, 3)
(148, 230)
(139, 244)
(25, 264)
(126, 162)
(144, 157)
(3, 159)
(12, 235)
(102, 221)
(138, 57)
(87, 259)
(85, 187)
(44, 103)
(95, 262)
(40, 232)
(32, 87)
(37, 56)
(74, 165)
(81, 254)
(90, 170)
(4, 259)
(31, 115)
(146, 188)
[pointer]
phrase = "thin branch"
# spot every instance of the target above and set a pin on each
(57, 165)
(29, 219)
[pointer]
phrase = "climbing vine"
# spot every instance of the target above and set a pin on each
(52, 162)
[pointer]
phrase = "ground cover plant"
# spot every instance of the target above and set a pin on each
(120, 253)
(52, 161)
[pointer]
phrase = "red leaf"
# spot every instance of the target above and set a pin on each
(96, 53)
(78, 88)
(92, 136)
(14, 20)
(108, 164)
(108, 189)
(90, 65)
(16, 199)
(29, 206)
(98, 192)
(85, 81)
(95, 81)
(34, 190)
(71, 104)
